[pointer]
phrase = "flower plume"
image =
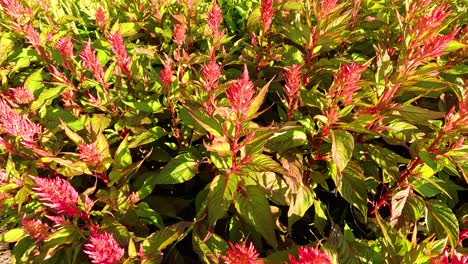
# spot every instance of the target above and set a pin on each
(118, 47)
(57, 194)
(308, 255)
(240, 94)
(214, 18)
(103, 249)
(241, 254)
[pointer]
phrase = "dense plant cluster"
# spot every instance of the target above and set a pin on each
(272, 131)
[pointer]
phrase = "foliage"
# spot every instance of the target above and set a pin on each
(186, 131)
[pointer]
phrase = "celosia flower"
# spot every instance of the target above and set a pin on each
(22, 95)
(91, 62)
(326, 7)
(57, 194)
(134, 198)
(347, 79)
(89, 153)
(214, 18)
(101, 18)
(103, 249)
(166, 74)
(308, 255)
(65, 47)
(179, 34)
(266, 14)
(428, 22)
(120, 52)
(35, 228)
(293, 78)
(435, 46)
(16, 125)
(241, 254)
(240, 94)
(210, 73)
(13, 8)
(32, 35)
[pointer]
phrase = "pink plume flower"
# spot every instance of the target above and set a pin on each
(240, 94)
(166, 74)
(14, 8)
(210, 73)
(101, 19)
(215, 17)
(15, 124)
(293, 76)
(103, 249)
(241, 254)
(266, 14)
(65, 47)
(57, 194)
(326, 7)
(308, 255)
(35, 228)
(348, 79)
(22, 95)
(179, 34)
(92, 63)
(32, 35)
(89, 153)
(118, 47)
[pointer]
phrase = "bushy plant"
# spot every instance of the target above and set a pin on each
(265, 131)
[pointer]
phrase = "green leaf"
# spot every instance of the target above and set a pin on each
(149, 107)
(210, 124)
(417, 114)
(123, 157)
(287, 139)
(34, 81)
(441, 220)
(353, 187)
(72, 135)
(342, 148)
(209, 249)
(46, 97)
(263, 163)
(222, 190)
(302, 201)
(64, 236)
(253, 207)
(7, 43)
(127, 29)
(160, 240)
(146, 137)
(179, 169)
(257, 102)
(12, 235)
(398, 203)
(144, 211)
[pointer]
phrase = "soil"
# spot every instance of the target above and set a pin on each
(5, 255)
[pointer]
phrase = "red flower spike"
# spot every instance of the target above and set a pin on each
(326, 7)
(347, 78)
(22, 95)
(211, 72)
(241, 254)
(428, 22)
(215, 17)
(308, 255)
(35, 228)
(103, 249)
(13, 8)
(240, 94)
(16, 125)
(166, 74)
(91, 62)
(32, 35)
(65, 47)
(101, 19)
(118, 47)
(89, 153)
(293, 76)
(266, 14)
(57, 194)
(179, 34)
